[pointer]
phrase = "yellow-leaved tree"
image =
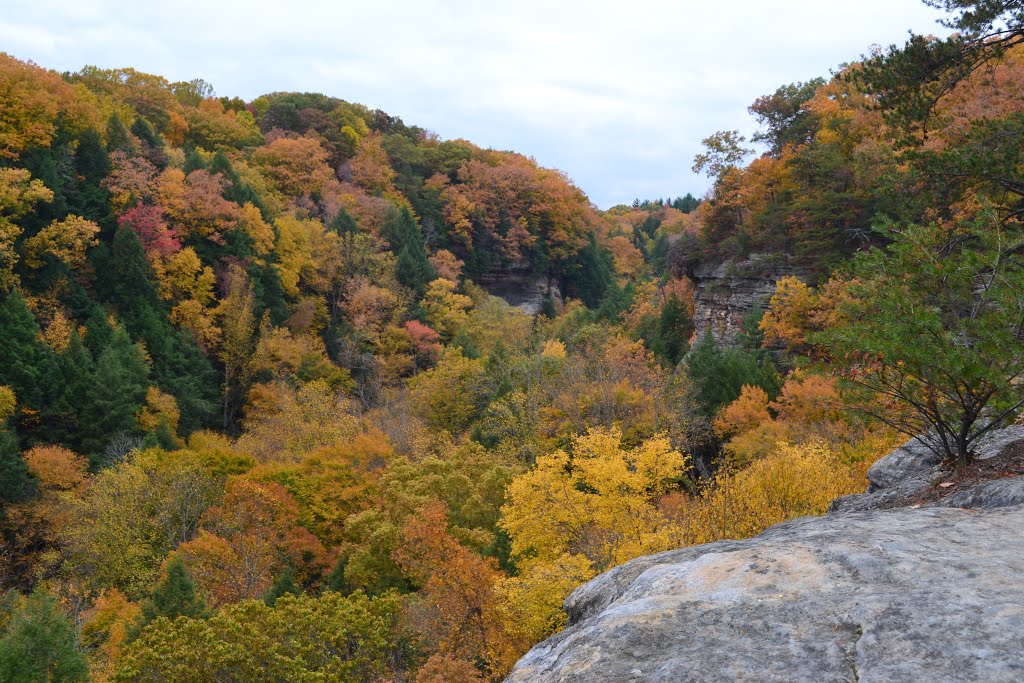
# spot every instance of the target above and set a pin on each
(793, 481)
(580, 511)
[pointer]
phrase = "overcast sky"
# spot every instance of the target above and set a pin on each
(616, 94)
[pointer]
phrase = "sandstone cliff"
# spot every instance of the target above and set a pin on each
(930, 592)
(520, 288)
(724, 293)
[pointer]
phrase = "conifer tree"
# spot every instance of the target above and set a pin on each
(720, 374)
(118, 137)
(672, 338)
(116, 393)
(284, 584)
(15, 481)
(144, 132)
(179, 367)
(194, 162)
(406, 238)
(27, 364)
(88, 198)
(76, 372)
(235, 189)
(174, 597)
(588, 275)
(343, 223)
(40, 644)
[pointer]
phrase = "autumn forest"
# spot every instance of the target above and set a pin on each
(262, 416)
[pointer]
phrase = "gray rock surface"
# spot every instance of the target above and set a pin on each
(912, 468)
(521, 289)
(930, 594)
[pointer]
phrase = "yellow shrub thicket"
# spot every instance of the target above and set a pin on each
(793, 481)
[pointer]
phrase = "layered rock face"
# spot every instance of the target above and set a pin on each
(925, 593)
(520, 288)
(724, 293)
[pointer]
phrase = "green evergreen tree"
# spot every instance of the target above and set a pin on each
(152, 147)
(76, 371)
(179, 367)
(284, 584)
(236, 189)
(674, 329)
(116, 393)
(98, 331)
(194, 162)
(343, 223)
(336, 579)
(16, 484)
(162, 437)
(406, 240)
(118, 137)
(173, 597)
(267, 292)
(85, 193)
(720, 374)
(125, 276)
(751, 335)
(27, 364)
(91, 160)
(47, 164)
(144, 132)
(588, 275)
(616, 301)
(934, 326)
(41, 644)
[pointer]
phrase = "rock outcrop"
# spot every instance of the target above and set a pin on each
(913, 475)
(930, 592)
(724, 293)
(521, 288)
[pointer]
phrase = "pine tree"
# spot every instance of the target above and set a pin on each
(194, 162)
(91, 159)
(720, 374)
(343, 223)
(45, 164)
(588, 275)
(152, 145)
(118, 137)
(87, 197)
(406, 238)
(116, 393)
(284, 584)
(336, 580)
(98, 331)
(174, 597)
(76, 371)
(41, 644)
(16, 484)
(672, 338)
(125, 276)
(27, 364)
(162, 437)
(179, 367)
(144, 132)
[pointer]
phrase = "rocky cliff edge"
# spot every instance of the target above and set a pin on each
(930, 591)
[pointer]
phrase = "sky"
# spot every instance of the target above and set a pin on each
(618, 95)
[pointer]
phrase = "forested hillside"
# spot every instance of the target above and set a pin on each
(262, 420)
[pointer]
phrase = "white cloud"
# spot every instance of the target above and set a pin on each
(618, 95)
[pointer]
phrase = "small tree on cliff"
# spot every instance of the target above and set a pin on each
(932, 342)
